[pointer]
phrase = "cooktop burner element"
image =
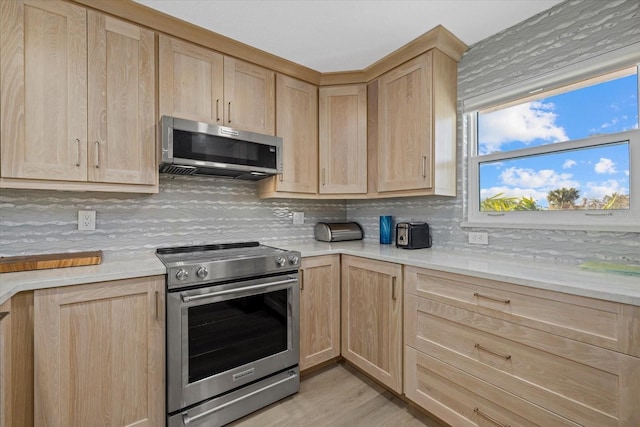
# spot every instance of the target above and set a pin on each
(192, 265)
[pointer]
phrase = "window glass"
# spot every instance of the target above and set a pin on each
(602, 105)
(562, 152)
(590, 178)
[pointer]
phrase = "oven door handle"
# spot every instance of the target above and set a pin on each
(189, 298)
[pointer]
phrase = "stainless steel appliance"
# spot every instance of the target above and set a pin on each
(232, 330)
(190, 148)
(338, 231)
(413, 235)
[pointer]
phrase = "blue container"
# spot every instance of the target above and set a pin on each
(385, 230)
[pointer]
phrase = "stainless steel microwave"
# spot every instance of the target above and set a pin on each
(190, 148)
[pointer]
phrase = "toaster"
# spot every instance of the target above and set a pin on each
(338, 231)
(413, 235)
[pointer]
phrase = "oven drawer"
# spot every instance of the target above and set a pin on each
(463, 400)
(602, 323)
(231, 406)
(579, 381)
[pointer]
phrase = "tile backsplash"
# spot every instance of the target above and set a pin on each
(188, 210)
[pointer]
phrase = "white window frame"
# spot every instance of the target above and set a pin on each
(597, 220)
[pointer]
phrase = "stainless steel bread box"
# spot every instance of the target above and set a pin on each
(338, 231)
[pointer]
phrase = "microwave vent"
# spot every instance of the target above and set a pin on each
(178, 170)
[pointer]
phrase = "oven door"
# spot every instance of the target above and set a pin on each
(224, 336)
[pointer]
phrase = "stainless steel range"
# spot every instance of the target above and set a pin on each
(232, 330)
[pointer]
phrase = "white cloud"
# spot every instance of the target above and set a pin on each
(541, 179)
(569, 164)
(614, 121)
(597, 190)
(626, 173)
(605, 166)
(524, 122)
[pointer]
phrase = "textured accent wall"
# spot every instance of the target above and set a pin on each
(187, 211)
(565, 34)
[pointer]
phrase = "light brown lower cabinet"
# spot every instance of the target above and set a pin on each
(319, 310)
(99, 354)
(491, 353)
(5, 363)
(372, 318)
(16, 361)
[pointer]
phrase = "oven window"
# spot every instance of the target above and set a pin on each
(211, 148)
(228, 334)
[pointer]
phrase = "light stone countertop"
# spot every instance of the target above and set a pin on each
(113, 267)
(556, 277)
(565, 278)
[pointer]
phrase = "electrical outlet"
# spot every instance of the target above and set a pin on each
(298, 218)
(478, 238)
(86, 220)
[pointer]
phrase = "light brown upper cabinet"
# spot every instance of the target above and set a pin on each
(416, 134)
(190, 81)
(199, 84)
(249, 95)
(78, 100)
(343, 139)
(297, 124)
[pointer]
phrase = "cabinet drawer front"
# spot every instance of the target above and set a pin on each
(581, 391)
(584, 319)
(463, 400)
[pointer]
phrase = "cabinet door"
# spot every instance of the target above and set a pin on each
(5, 363)
(190, 81)
(99, 354)
(16, 361)
(405, 126)
(121, 132)
(297, 103)
(343, 139)
(372, 318)
(44, 90)
(249, 95)
(319, 310)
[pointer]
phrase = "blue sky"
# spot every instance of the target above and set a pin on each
(600, 109)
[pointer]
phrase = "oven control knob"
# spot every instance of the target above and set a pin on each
(202, 272)
(182, 274)
(293, 260)
(281, 261)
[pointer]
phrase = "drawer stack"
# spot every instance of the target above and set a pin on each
(480, 352)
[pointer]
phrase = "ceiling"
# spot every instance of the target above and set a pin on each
(343, 35)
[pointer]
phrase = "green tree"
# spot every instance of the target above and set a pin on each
(616, 201)
(500, 203)
(563, 198)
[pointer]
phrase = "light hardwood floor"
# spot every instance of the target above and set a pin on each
(338, 396)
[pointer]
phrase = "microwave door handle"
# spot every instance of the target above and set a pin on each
(189, 298)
